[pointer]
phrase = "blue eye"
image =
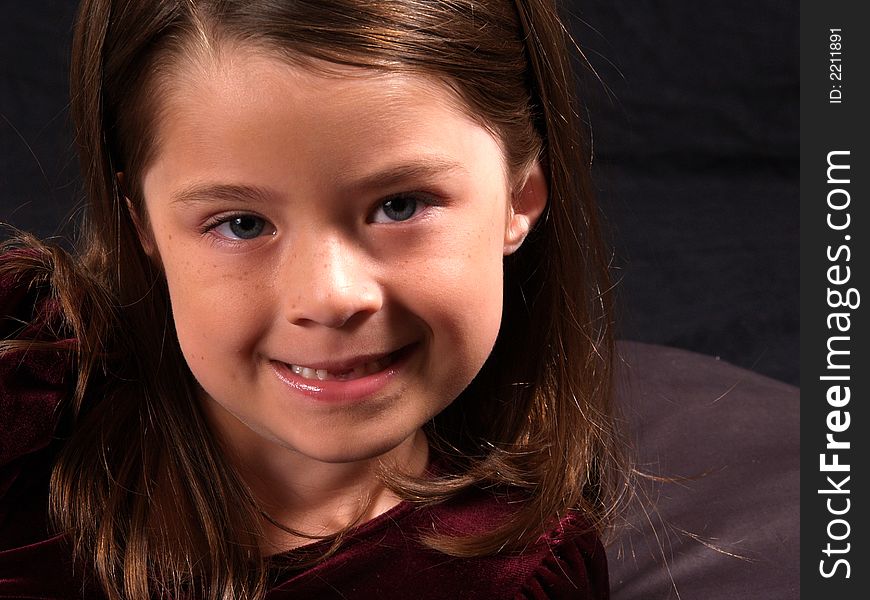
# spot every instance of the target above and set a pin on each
(397, 208)
(242, 227)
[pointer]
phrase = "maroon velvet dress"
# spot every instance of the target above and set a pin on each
(382, 559)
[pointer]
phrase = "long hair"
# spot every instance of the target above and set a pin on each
(142, 486)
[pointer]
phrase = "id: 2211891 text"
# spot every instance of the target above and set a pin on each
(835, 65)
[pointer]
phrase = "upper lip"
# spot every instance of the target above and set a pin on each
(345, 364)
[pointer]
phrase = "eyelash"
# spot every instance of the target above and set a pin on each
(420, 198)
(426, 200)
(212, 224)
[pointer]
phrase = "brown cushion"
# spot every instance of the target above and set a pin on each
(731, 530)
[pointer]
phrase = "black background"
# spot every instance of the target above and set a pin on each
(695, 125)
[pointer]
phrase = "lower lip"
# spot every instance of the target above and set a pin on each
(338, 391)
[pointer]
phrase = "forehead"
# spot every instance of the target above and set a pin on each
(237, 108)
(239, 77)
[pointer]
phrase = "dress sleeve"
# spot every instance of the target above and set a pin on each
(574, 567)
(32, 376)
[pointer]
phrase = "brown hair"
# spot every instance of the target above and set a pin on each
(140, 451)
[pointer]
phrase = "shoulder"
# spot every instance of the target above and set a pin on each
(568, 561)
(385, 559)
(571, 564)
(34, 361)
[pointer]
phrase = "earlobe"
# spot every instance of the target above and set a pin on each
(526, 207)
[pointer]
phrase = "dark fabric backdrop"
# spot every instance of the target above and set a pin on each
(695, 125)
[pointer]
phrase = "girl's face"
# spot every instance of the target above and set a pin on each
(333, 249)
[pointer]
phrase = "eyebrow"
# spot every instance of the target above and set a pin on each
(427, 168)
(197, 193)
(416, 170)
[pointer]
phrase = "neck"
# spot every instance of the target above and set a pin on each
(322, 499)
(311, 497)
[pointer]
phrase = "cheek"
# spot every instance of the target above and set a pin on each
(466, 326)
(214, 313)
(464, 295)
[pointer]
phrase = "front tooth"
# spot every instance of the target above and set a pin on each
(360, 371)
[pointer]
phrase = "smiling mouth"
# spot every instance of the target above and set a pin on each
(358, 371)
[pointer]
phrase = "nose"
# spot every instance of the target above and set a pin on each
(330, 283)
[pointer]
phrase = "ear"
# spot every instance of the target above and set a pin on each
(142, 230)
(527, 205)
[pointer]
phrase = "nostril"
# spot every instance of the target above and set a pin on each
(335, 309)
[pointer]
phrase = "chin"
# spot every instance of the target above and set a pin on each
(348, 449)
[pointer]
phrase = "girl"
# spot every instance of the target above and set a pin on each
(339, 323)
